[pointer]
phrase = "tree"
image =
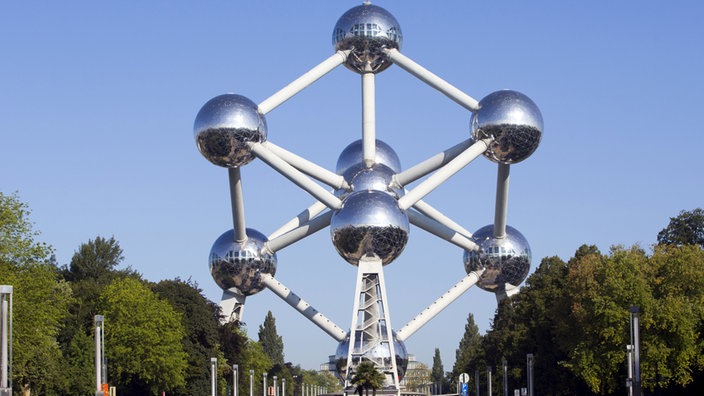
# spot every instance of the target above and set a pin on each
(200, 320)
(271, 341)
(437, 373)
(366, 376)
(468, 351)
(143, 335)
(685, 229)
(40, 300)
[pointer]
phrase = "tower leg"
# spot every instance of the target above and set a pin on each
(371, 336)
(232, 305)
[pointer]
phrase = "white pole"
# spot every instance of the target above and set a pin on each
(235, 371)
(501, 209)
(283, 386)
(311, 169)
(264, 382)
(213, 374)
(438, 216)
(441, 230)
(431, 164)
(276, 388)
(300, 232)
(301, 218)
(6, 337)
(237, 203)
(251, 382)
(488, 381)
(98, 320)
(368, 119)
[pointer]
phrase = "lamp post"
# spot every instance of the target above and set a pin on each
(504, 363)
(99, 322)
(235, 369)
(213, 374)
(264, 384)
(283, 386)
(529, 363)
(488, 381)
(5, 340)
(635, 332)
(251, 382)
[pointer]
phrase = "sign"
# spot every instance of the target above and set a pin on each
(464, 378)
(465, 389)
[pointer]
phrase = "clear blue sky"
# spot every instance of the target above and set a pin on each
(97, 102)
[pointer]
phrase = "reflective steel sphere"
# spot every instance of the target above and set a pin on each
(374, 353)
(353, 155)
(223, 127)
(507, 260)
(238, 265)
(366, 30)
(370, 223)
(378, 178)
(515, 123)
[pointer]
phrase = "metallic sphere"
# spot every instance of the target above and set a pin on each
(375, 353)
(514, 121)
(506, 260)
(378, 177)
(238, 265)
(223, 127)
(353, 155)
(369, 224)
(366, 30)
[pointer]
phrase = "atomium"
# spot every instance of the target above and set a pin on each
(369, 202)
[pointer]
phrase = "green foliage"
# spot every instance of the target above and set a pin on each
(143, 336)
(17, 244)
(201, 340)
(367, 377)
(437, 373)
(685, 229)
(271, 341)
(469, 351)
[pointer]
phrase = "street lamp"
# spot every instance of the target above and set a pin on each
(213, 373)
(251, 382)
(100, 370)
(234, 379)
(5, 340)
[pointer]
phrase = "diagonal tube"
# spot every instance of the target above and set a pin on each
(309, 168)
(303, 307)
(303, 81)
(440, 230)
(431, 164)
(438, 305)
(436, 215)
(300, 232)
(301, 218)
(296, 176)
(433, 80)
(444, 173)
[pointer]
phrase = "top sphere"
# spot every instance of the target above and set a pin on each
(366, 30)
(514, 121)
(224, 126)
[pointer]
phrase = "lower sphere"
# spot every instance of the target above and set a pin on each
(239, 265)
(506, 260)
(376, 353)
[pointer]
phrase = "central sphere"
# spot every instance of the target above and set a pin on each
(239, 265)
(369, 224)
(367, 30)
(353, 155)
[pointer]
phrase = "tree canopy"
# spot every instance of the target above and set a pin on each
(687, 228)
